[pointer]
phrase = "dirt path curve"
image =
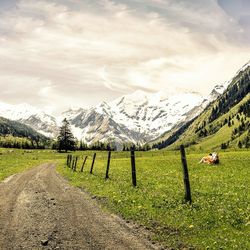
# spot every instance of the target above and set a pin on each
(40, 210)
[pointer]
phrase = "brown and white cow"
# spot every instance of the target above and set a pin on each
(210, 159)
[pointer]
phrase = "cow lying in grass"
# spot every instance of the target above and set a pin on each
(210, 159)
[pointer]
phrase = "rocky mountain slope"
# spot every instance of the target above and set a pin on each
(138, 117)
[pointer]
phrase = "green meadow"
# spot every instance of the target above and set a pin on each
(218, 217)
(14, 161)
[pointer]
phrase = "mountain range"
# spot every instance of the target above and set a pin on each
(137, 118)
(140, 117)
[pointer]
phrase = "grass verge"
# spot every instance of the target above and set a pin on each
(13, 161)
(218, 217)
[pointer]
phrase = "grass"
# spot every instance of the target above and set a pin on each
(217, 219)
(212, 142)
(13, 161)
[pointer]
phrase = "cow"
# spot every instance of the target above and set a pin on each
(210, 159)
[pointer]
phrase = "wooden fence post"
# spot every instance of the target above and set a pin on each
(185, 175)
(93, 162)
(67, 160)
(67, 163)
(108, 164)
(75, 163)
(132, 152)
(70, 160)
(84, 163)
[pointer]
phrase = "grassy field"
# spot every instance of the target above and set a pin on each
(217, 219)
(13, 161)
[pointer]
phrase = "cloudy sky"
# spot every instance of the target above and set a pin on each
(57, 54)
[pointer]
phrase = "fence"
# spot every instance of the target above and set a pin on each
(72, 162)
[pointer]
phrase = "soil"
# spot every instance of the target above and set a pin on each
(40, 210)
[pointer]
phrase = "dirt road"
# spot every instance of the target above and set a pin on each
(39, 210)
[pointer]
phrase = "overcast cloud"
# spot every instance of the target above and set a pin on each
(69, 53)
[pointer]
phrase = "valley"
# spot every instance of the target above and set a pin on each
(155, 209)
(124, 125)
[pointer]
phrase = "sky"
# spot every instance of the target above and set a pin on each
(59, 54)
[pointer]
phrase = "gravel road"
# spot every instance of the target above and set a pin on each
(40, 210)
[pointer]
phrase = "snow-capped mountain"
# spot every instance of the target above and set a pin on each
(138, 117)
(31, 116)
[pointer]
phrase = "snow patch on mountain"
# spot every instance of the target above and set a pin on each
(152, 114)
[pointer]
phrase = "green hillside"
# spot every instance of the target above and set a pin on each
(225, 123)
(15, 134)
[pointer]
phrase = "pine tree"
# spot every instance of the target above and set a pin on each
(66, 140)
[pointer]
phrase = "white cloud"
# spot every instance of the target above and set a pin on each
(68, 55)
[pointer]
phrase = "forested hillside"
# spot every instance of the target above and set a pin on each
(17, 135)
(224, 123)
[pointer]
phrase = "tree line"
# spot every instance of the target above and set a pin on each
(10, 141)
